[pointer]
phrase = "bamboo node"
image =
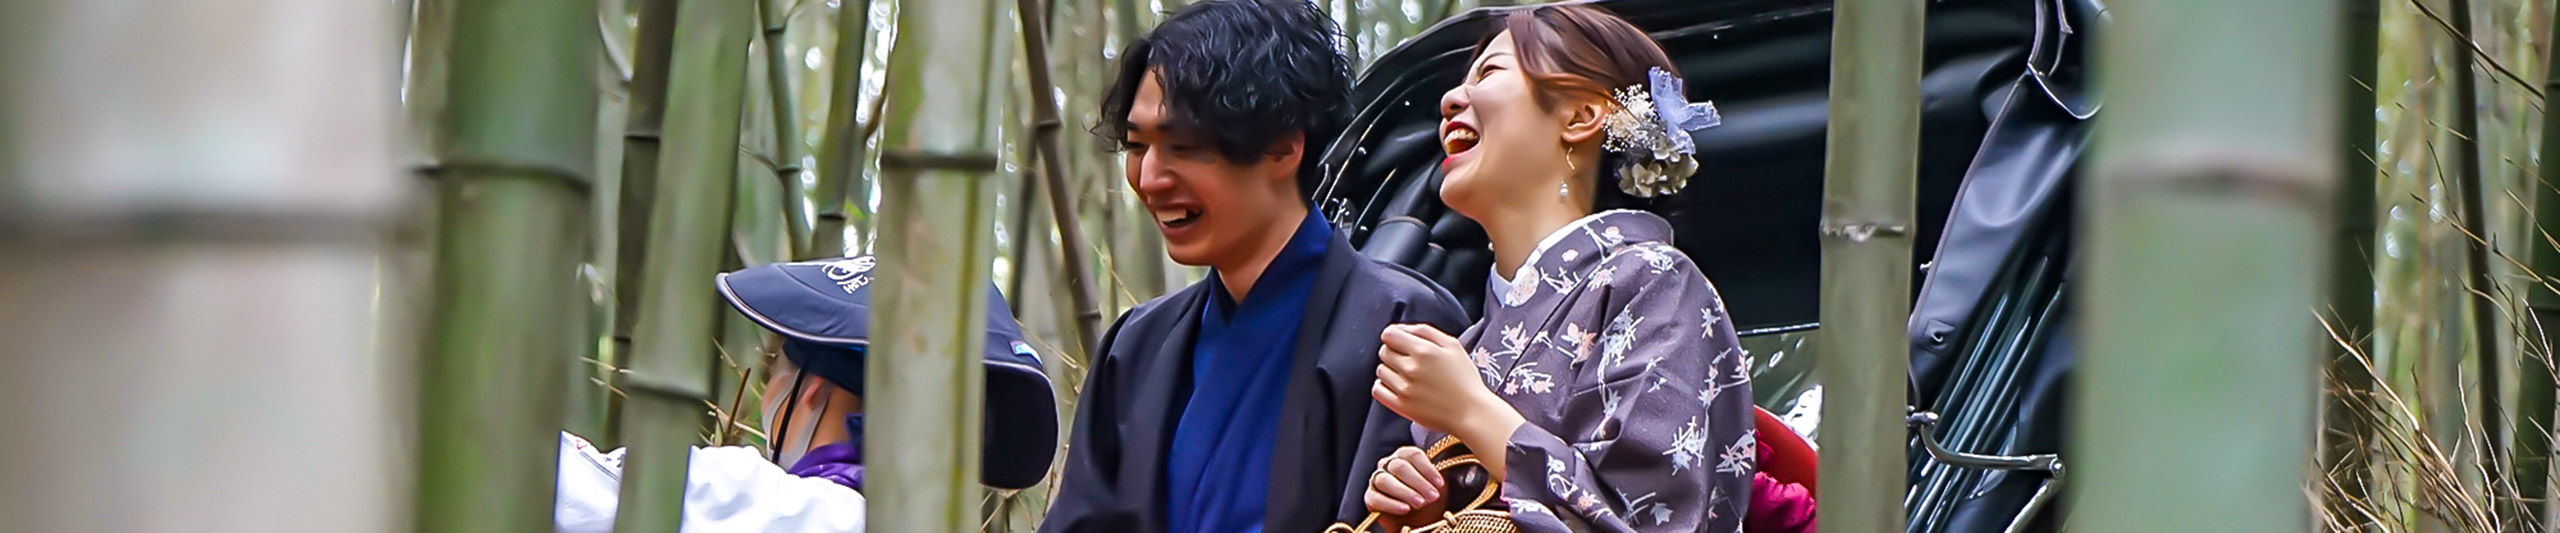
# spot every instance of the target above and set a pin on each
(1862, 231)
(928, 160)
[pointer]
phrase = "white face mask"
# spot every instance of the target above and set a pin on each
(788, 413)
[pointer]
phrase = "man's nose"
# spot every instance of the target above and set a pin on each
(1152, 177)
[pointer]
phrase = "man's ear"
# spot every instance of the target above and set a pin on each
(1584, 120)
(1287, 152)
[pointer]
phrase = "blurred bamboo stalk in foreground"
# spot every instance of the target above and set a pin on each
(517, 149)
(938, 158)
(669, 383)
(2204, 234)
(189, 212)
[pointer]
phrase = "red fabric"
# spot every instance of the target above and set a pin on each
(1778, 507)
(1784, 455)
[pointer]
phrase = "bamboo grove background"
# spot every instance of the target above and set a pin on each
(2449, 279)
(683, 137)
(811, 79)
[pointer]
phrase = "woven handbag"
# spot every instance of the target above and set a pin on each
(1463, 471)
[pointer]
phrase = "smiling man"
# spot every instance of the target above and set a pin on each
(1240, 403)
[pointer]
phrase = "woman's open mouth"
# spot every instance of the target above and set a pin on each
(1458, 139)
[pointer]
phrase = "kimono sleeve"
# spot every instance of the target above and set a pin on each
(1383, 431)
(1087, 499)
(1654, 433)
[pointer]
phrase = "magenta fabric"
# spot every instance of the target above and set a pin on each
(1777, 506)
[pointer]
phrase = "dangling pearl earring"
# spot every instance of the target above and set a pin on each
(1564, 191)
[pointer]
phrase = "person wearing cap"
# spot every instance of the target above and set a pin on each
(810, 480)
(1240, 403)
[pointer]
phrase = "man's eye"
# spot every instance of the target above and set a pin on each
(1133, 147)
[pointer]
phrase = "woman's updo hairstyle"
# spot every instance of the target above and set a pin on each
(1582, 51)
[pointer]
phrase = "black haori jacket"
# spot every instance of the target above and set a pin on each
(1330, 435)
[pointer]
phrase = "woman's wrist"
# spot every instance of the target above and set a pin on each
(1488, 427)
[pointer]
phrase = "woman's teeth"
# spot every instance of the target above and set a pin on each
(1458, 140)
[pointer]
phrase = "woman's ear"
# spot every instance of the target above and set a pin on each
(1584, 120)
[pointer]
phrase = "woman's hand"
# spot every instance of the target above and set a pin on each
(1426, 376)
(1405, 489)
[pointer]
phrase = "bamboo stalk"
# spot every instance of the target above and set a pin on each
(938, 152)
(590, 402)
(2351, 289)
(842, 158)
(2534, 398)
(670, 378)
(1027, 187)
(2204, 247)
(2485, 340)
(654, 41)
(518, 149)
(1044, 131)
(786, 123)
(212, 331)
(1870, 186)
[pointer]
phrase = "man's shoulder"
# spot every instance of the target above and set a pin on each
(1377, 280)
(1161, 311)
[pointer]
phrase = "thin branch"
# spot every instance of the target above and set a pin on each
(2484, 56)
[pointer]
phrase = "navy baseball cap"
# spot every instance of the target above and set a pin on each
(823, 310)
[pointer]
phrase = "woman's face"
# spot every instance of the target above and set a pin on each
(1502, 145)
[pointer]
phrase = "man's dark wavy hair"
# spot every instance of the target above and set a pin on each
(1242, 74)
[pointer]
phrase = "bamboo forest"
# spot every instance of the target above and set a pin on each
(531, 266)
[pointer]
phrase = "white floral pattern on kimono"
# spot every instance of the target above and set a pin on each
(1618, 352)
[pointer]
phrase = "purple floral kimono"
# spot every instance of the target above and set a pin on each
(1618, 353)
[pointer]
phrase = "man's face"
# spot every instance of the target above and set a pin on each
(1211, 211)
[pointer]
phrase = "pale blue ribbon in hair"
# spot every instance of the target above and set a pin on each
(1679, 117)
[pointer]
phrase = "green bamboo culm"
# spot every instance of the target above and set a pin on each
(938, 159)
(1044, 135)
(1869, 187)
(786, 122)
(840, 159)
(2350, 304)
(517, 150)
(652, 42)
(2534, 399)
(2204, 236)
(669, 383)
(2488, 348)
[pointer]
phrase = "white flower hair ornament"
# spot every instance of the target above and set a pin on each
(1650, 128)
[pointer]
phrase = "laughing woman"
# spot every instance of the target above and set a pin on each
(1604, 389)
